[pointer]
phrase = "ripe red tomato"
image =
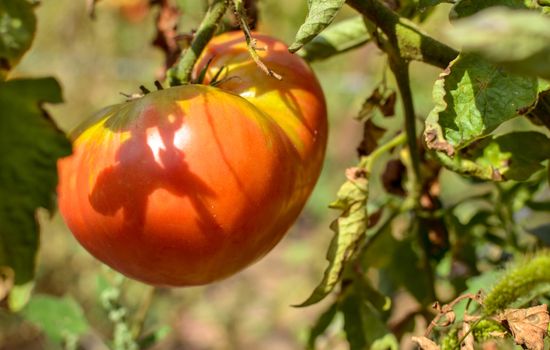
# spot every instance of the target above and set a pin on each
(191, 184)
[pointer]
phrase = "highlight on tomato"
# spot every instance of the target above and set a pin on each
(191, 184)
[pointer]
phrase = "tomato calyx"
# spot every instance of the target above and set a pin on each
(219, 78)
(144, 91)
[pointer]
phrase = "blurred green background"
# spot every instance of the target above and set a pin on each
(96, 60)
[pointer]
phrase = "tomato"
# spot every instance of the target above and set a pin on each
(190, 184)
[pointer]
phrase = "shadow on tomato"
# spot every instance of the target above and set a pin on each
(148, 160)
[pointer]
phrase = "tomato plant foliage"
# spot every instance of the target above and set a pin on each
(31, 145)
(440, 204)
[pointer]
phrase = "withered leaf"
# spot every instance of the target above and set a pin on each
(425, 343)
(6, 281)
(468, 342)
(374, 218)
(528, 326)
(381, 98)
(372, 133)
(388, 106)
(392, 177)
(90, 6)
(167, 35)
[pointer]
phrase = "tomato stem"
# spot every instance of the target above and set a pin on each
(412, 43)
(368, 161)
(400, 69)
(142, 311)
(181, 73)
(240, 12)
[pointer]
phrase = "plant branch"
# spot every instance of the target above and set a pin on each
(141, 313)
(251, 42)
(400, 69)
(466, 167)
(181, 72)
(403, 34)
(368, 161)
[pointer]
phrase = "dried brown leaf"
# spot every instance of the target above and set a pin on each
(392, 177)
(489, 345)
(528, 326)
(251, 7)
(90, 7)
(355, 174)
(7, 276)
(382, 99)
(167, 35)
(468, 335)
(372, 133)
(374, 218)
(388, 106)
(425, 343)
(437, 143)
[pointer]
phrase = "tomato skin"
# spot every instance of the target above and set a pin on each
(296, 102)
(184, 186)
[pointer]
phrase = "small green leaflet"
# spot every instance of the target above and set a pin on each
(516, 40)
(542, 232)
(30, 145)
(321, 325)
(363, 324)
(17, 27)
(339, 38)
(154, 337)
(349, 229)
(407, 271)
(515, 156)
(19, 296)
(472, 98)
(321, 13)
(59, 318)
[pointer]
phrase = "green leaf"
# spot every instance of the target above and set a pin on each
(464, 8)
(340, 37)
(516, 40)
(59, 318)
(30, 145)
(538, 206)
(349, 229)
(153, 338)
(321, 325)
(17, 27)
(399, 265)
(381, 303)
(355, 313)
(515, 156)
(542, 232)
(409, 271)
(19, 296)
(363, 325)
(321, 13)
(472, 98)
